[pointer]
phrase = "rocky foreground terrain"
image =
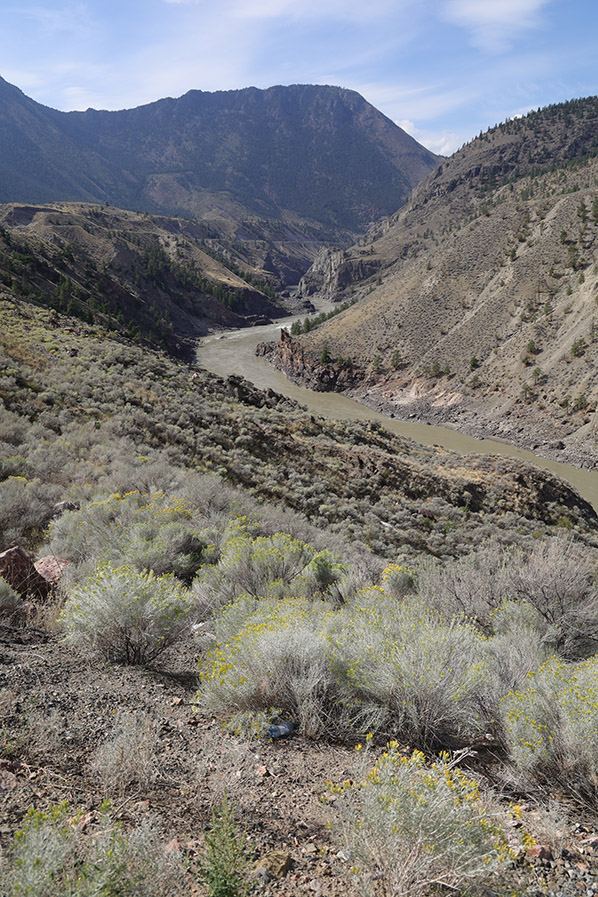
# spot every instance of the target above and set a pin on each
(59, 706)
(114, 455)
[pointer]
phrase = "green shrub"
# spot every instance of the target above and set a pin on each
(51, 857)
(411, 830)
(127, 616)
(266, 566)
(224, 865)
(551, 726)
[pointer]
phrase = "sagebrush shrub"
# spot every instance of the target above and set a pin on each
(551, 588)
(555, 580)
(127, 616)
(10, 601)
(410, 829)
(270, 653)
(146, 531)
(464, 586)
(51, 857)
(402, 670)
(128, 756)
(25, 506)
(551, 726)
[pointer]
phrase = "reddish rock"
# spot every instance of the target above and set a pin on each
(540, 852)
(17, 568)
(51, 567)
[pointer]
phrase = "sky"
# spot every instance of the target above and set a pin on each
(443, 70)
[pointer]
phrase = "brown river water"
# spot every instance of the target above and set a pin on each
(233, 352)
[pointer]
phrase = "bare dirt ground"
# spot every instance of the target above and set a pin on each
(58, 707)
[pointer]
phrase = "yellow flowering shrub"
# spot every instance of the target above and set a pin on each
(148, 531)
(551, 725)
(52, 855)
(408, 827)
(267, 566)
(401, 669)
(270, 652)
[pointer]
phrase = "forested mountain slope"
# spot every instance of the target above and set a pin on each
(160, 280)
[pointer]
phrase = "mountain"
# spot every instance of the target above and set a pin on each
(159, 280)
(294, 166)
(475, 304)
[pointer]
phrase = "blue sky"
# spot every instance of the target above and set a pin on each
(442, 69)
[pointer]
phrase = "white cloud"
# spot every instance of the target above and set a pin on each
(443, 143)
(416, 102)
(494, 24)
(68, 18)
(343, 10)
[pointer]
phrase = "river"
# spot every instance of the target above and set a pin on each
(233, 352)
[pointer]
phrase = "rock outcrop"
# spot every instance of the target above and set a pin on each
(333, 271)
(19, 571)
(287, 355)
(51, 568)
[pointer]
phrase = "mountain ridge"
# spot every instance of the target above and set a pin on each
(319, 159)
(476, 300)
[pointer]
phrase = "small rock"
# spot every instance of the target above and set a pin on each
(8, 780)
(315, 886)
(277, 863)
(51, 568)
(174, 846)
(62, 506)
(263, 771)
(83, 821)
(194, 845)
(540, 852)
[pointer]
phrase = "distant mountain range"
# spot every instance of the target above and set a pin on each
(301, 165)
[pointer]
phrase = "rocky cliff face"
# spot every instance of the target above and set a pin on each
(333, 272)
(288, 356)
